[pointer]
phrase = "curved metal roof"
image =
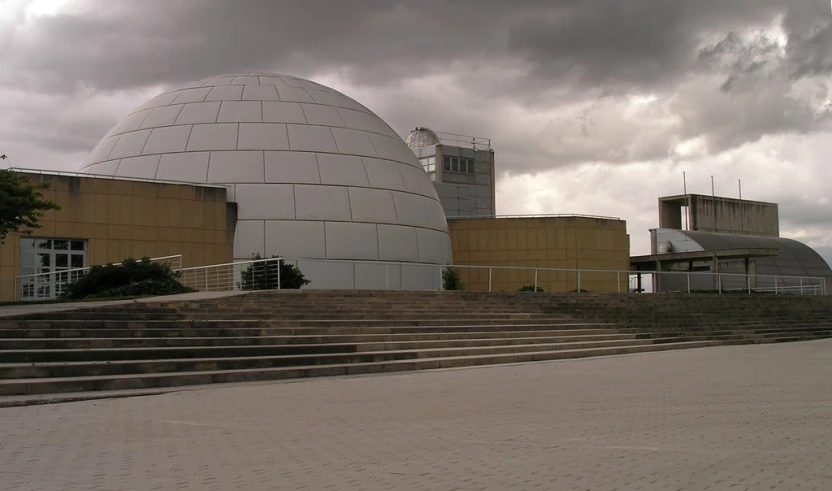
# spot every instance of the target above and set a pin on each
(795, 258)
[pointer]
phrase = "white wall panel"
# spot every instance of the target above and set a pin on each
(268, 136)
(322, 115)
(430, 245)
(234, 93)
(141, 167)
(311, 138)
(283, 112)
(260, 93)
(372, 205)
(162, 116)
(295, 239)
(246, 80)
(236, 167)
(291, 94)
(249, 239)
(240, 112)
(131, 123)
(358, 120)
(347, 240)
(354, 142)
(322, 203)
(192, 95)
(265, 201)
(102, 151)
(187, 167)
(415, 182)
(397, 243)
(384, 174)
(435, 213)
(292, 167)
(130, 144)
(200, 112)
(218, 136)
(410, 209)
(342, 170)
(168, 139)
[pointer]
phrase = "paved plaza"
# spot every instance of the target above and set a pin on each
(733, 418)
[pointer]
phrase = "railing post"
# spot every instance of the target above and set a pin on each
(579, 281)
(801, 286)
(386, 276)
(618, 280)
(535, 279)
(687, 275)
(441, 285)
(748, 282)
(279, 261)
(719, 282)
(489, 278)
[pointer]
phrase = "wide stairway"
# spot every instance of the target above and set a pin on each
(292, 334)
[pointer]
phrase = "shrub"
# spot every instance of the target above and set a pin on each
(143, 277)
(531, 288)
(263, 275)
(451, 279)
(581, 290)
(151, 287)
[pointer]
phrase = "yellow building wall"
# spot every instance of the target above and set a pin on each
(553, 243)
(121, 219)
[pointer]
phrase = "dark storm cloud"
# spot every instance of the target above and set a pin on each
(570, 51)
(642, 43)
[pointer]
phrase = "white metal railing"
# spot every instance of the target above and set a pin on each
(391, 275)
(50, 285)
(692, 282)
(256, 274)
(475, 142)
(474, 217)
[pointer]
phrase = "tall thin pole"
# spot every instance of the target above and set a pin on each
(742, 209)
(713, 201)
(685, 192)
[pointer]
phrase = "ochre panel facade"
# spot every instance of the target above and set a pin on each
(550, 247)
(121, 219)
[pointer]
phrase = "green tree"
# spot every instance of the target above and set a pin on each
(451, 279)
(21, 204)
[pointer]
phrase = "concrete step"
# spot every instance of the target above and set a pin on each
(201, 329)
(443, 337)
(238, 322)
(286, 356)
(150, 380)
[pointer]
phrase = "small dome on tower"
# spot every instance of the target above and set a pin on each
(422, 137)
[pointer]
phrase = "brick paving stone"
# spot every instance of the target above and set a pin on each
(732, 418)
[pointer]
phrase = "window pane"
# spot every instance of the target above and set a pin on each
(43, 244)
(27, 244)
(45, 260)
(447, 163)
(77, 245)
(61, 245)
(61, 260)
(77, 261)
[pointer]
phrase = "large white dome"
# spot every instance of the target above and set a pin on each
(315, 174)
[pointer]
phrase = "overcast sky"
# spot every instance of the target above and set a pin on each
(593, 106)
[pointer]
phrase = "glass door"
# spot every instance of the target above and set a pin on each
(48, 265)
